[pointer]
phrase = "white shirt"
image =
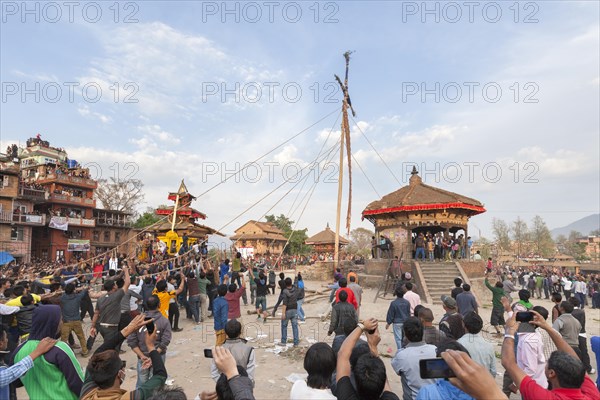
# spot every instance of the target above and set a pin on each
(477, 257)
(579, 287)
(414, 300)
(113, 263)
(171, 288)
(301, 391)
(530, 356)
(136, 289)
(568, 284)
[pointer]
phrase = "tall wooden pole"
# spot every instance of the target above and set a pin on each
(344, 137)
(336, 256)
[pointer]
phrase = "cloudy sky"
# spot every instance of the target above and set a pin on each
(495, 100)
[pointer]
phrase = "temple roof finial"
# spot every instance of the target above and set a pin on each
(414, 170)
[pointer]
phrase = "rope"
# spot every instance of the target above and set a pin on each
(376, 152)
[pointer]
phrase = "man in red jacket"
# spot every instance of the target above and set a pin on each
(343, 282)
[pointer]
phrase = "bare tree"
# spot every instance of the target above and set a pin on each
(360, 241)
(520, 234)
(542, 238)
(120, 195)
(501, 234)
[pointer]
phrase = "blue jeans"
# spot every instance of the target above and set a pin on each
(290, 315)
(398, 334)
(194, 302)
(300, 310)
(420, 251)
(581, 298)
(144, 375)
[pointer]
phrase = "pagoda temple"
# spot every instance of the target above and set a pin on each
(420, 208)
(256, 238)
(181, 222)
(324, 241)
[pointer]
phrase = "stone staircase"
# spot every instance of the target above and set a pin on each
(439, 278)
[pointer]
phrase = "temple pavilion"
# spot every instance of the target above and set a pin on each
(185, 222)
(420, 208)
(324, 241)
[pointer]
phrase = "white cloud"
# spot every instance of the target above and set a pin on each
(85, 111)
(43, 77)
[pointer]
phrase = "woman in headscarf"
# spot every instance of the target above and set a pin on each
(57, 374)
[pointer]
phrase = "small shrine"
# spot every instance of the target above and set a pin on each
(419, 208)
(324, 241)
(181, 228)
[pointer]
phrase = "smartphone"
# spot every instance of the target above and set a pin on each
(524, 316)
(208, 353)
(149, 325)
(434, 368)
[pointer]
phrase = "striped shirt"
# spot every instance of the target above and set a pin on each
(11, 374)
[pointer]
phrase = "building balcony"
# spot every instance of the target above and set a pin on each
(22, 218)
(33, 194)
(113, 223)
(67, 199)
(81, 222)
(68, 180)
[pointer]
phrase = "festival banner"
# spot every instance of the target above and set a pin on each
(78, 245)
(61, 223)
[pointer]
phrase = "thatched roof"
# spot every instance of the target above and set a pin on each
(326, 236)
(419, 196)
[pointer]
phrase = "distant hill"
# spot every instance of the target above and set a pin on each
(584, 226)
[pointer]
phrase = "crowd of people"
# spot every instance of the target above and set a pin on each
(138, 308)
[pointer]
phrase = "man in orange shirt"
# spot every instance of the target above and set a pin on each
(165, 296)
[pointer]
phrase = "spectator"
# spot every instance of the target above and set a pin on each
(203, 284)
(497, 317)
(452, 322)
(262, 289)
(595, 343)
(319, 363)
(508, 288)
(233, 382)
(465, 301)
(233, 301)
(137, 341)
(344, 288)
(70, 303)
(342, 315)
(568, 326)
(397, 314)
(282, 287)
(556, 299)
(356, 289)
(220, 311)
(369, 371)
(11, 374)
(289, 312)
(406, 360)
(431, 335)
(549, 346)
(583, 354)
(564, 371)
(442, 388)
(106, 371)
(242, 352)
(480, 350)
(168, 299)
(108, 308)
(457, 289)
(301, 294)
(58, 375)
(413, 298)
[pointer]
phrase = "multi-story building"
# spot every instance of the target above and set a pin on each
(68, 204)
(113, 228)
(592, 247)
(17, 214)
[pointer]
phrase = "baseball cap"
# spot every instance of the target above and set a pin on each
(448, 301)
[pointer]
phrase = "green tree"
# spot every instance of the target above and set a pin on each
(501, 231)
(542, 238)
(146, 219)
(486, 247)
(296, 238)
(574, 248)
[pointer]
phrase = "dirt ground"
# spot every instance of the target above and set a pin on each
(277, 367)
